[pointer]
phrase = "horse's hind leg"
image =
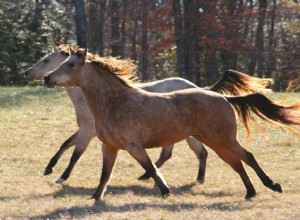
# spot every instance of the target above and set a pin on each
(201, 154)
(165, 154)
(237, 165)
(109, 154)
(250, 160)
(66, 145)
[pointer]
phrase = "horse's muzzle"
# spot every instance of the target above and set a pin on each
(47, 82)
(26, 75)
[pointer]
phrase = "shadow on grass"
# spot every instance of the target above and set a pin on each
(120, 190)
(101, 207)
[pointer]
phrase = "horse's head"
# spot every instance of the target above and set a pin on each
(70, 72)
(46, 64)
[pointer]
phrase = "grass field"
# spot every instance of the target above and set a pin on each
(35, 121)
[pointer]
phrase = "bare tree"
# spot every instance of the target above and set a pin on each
(101, 26)
(191, 42)
(258, 53)
(80, 18)
(271, 63)
(115, 32)
(144, 42)
(93, 25)
(210, 30)
(123, 27)
(179, 38)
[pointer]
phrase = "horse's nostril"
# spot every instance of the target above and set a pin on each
(26, 74)
(46, 79)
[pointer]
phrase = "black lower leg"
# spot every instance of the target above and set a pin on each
(246, 180)
(75, 157)
(202, 165)
(52, 163)
(262, 175)
(56, 157)
(165, 154)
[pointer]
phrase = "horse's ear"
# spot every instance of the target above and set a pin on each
(55, 49)
(85, 52)
(71, 51)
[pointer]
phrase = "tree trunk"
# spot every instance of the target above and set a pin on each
(191, 42)
(115, 32)
(144, 43)
(93, 26)
(229, 53)
(101, 27)
(80, 18)
(258, 55)
(123, 28)
(271, 65)
(179, 39)
(211, 64)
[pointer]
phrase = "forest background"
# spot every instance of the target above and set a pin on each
(194, 39)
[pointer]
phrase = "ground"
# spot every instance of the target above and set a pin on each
(35, 121)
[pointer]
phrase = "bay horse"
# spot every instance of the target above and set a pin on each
(129, 118)
(232, 82)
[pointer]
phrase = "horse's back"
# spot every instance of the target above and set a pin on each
(167, 85)
(207, 112)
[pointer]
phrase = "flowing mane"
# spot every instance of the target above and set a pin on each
(123, 69)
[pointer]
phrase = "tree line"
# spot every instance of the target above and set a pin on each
(194, 39)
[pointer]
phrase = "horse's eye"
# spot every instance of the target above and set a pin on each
(46, 61)
(71, 64)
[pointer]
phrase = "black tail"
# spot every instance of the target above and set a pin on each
(266, 109)
(237, 83)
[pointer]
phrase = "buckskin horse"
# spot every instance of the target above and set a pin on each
(232, 82)
(132, 119)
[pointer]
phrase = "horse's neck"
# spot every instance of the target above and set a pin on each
(83, 114)
(76, 95)
(101, 92)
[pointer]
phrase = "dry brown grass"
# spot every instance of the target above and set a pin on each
(35, 121)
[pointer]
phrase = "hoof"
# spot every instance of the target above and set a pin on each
(96, 197)
(60, 180)
(166, 195)
(144, 177)
(48, 171)
(166, 192)
(277, 188)
(200, 180)
(250, 195)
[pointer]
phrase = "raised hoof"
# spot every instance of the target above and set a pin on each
(144, 177)
(277, 188)
(48, 171)
(60, 180)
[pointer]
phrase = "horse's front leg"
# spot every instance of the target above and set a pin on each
(139, 153)
(165, 154)
(80, 148)
(109, 154)
(66, 145)
(201, 154)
